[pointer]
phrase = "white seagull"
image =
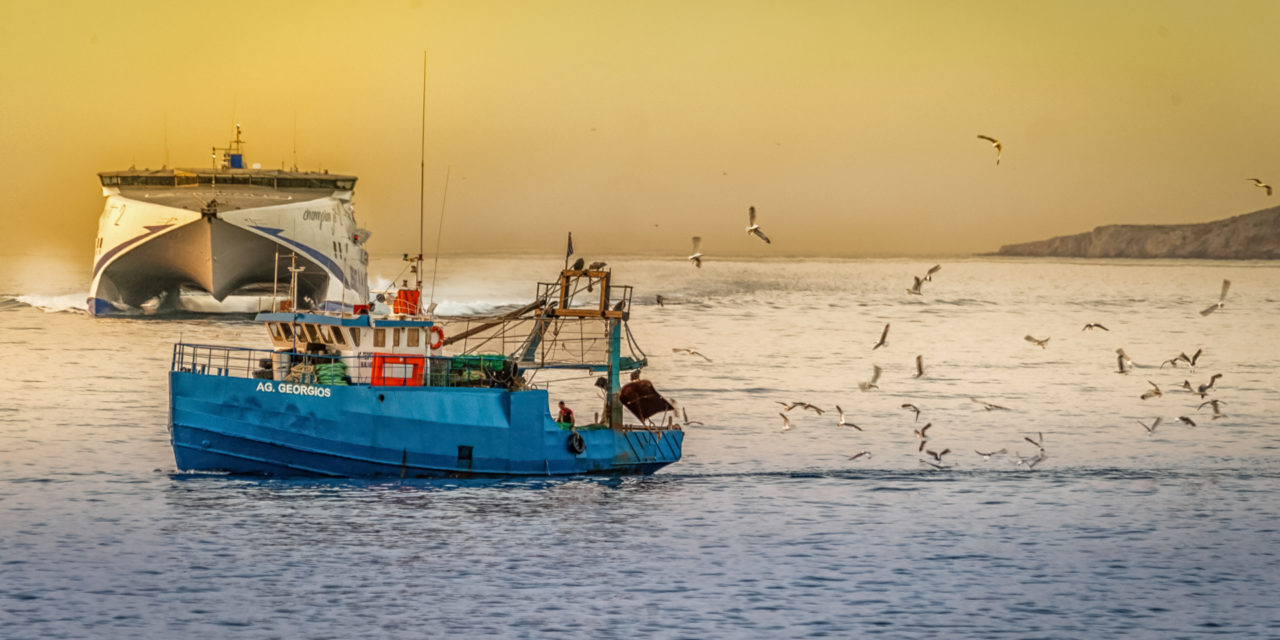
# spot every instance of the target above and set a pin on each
(875, 376)
(884, 338)
(690, 352)
(843, 423)
(752, 227)
(1260, 184)
(696, 256)
(995, 143)
(1151, 429)
(1153, 392)
(1222, 297)
(911, 407)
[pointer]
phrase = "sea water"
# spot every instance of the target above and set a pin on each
(757, 532)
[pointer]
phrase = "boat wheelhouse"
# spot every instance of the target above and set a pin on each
(410, 395)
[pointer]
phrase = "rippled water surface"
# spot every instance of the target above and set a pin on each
(756, 533)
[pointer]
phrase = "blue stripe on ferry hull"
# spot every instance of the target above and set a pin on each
(228, 424)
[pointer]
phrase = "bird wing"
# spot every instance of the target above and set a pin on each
(762, 236)
(875, 373)
(751, 216)
(925, 428)
(1210, 309)
(989, 139)
(934, 269)
(692, 352)
(920, 365)
(697, 261)
(1028, 338)
(697, 244)
(1195, 357)
(884, 334)
(1226, 284)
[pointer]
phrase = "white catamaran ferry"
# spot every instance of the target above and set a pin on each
(221, 230)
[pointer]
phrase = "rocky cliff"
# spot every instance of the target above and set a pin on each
(1252, 236)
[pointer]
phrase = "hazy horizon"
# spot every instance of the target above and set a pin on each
(851, 128)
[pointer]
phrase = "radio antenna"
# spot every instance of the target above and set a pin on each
(439, 230)
(422, 163)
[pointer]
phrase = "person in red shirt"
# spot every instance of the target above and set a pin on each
(566, 414)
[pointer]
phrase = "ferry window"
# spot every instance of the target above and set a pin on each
(355, 337)
(326, 335)
(395, 337)
(337, 337)
(274, 328)
(312, 334)
(379, 337)
(411, 340)
(287, 331)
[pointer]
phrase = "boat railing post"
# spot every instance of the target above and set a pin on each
(615, 344)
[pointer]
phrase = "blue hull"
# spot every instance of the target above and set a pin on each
(244, 425)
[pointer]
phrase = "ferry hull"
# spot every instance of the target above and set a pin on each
(250, 426)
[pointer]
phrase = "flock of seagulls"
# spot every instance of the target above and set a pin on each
(936, 456)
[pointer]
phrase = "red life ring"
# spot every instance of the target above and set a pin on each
(440, 339)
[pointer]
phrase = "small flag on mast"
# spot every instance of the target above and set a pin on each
(568, 251)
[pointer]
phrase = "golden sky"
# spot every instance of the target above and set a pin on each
(850, 126)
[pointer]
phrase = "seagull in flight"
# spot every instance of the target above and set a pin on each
(1094, 325)
(1036, 341)
(1217, 411)
(752, 227)
(1123, 362)
(843, 423)
(1222, 297)
(1039, 443)
(1204, 388)
(915, 288)
(1153, 392)
(919, 367)
(986, 455)
(921, 432)
(995, 143)
(1186, 420)
(911, 407)
(884, 338)
(687, 421)
(690, 352)
(1030, 463)
(1260, 184)
(696, 256)
(786, 422)
(1192, 360)
(937, 455)
(1152, 428)
(987, 405)
(860, 454)
(875, 376)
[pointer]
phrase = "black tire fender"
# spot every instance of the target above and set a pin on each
(576, 443)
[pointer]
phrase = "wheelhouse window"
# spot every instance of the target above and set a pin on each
(395, 337)
(379, 337)
(411, 338)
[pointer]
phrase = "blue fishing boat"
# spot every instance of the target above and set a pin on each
(408, 394)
